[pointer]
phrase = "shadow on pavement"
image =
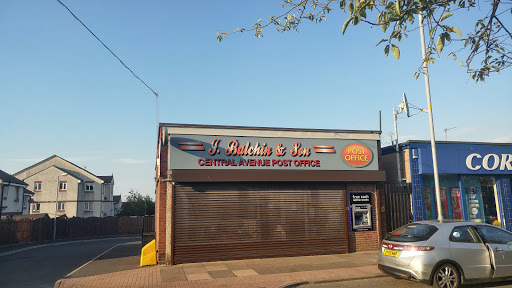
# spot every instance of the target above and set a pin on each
(123, 257)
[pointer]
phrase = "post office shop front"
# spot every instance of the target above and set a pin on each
(227, 192)
(474, 180)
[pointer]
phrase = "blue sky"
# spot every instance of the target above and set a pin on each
(63, 93)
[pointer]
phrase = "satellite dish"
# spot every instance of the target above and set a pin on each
(406, 106)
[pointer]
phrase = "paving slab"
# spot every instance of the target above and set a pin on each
(221, 274)
(246, 272)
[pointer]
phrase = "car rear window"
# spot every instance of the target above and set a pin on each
(412, 233)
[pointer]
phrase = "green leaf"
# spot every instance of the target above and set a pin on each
(384, 27)
(380, 42)
(456, 30)
(356, 19)
(289, 17)
(386, 50)
(395, 51)
(440, 43)
(454, 57)
(397, 6)
(461, 63)
(342, 4)
(363, 13)
(445, 16)
(351, 8)
(259, 20)
(218, 32)
(431, 32)
(345, 25)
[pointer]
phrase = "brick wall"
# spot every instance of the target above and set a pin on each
(366, 240)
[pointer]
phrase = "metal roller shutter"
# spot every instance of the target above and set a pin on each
(226, 221)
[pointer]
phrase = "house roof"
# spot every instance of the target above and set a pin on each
(28, 192)
(107, 179)
(55, 156)
(8, 178)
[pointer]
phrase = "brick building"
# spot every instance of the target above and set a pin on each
(227, 192)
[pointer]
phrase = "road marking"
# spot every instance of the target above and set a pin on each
(61, 243)
(91, 260)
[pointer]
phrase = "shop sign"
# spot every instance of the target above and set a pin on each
(489, 162)
(224, 152)
(357, 155)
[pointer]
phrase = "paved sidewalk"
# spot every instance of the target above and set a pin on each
(273, 272)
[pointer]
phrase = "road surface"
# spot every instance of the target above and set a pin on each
(40, 265)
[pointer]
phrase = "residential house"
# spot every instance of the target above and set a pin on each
(14, 197)
(61, 187)
(117, 204)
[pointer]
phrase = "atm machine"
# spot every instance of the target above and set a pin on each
(361, 211)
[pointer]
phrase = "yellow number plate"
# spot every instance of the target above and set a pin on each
(391, 253)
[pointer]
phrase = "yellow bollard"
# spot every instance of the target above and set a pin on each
(148, 255)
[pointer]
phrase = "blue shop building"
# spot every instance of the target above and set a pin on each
(474, 179)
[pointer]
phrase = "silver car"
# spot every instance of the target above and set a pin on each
(447, 254)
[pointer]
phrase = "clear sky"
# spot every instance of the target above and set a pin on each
(63, 93)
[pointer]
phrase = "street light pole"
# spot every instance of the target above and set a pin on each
(56, 206)
(431, 120)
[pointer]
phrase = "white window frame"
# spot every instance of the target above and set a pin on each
(89, 187)
(63, 186)
(60, 206)
(88, 206)
(37, 186)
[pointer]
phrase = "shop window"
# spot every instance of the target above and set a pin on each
(60, 206)
(481, 199)
(37, 186)
(450, 197)
(63, 186)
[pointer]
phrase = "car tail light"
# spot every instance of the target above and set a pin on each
(419, 248)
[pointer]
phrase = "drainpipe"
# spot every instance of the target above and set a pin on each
(2, 198)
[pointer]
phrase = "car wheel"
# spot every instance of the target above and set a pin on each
(446, 276)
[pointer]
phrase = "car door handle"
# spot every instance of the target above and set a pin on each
(498, 249)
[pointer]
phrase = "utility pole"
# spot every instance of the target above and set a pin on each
(431, 120)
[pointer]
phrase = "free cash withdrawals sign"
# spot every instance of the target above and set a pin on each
(230, 152)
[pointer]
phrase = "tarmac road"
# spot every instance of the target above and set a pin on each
(391, 282)
(41, 265)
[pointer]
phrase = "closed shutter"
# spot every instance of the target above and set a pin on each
(225, 221)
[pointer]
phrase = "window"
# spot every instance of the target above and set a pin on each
(63, 186)
(494, 235)
(89, 187)
(463, 234)
(88, 206)
(37, 186)
(18, 194)
(36, 207)
(412, 233)
(60, 206)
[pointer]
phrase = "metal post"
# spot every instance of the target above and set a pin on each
(397, 149)
(431, 120)
(56, 203)
(56, 206)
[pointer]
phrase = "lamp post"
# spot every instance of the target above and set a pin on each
(56, 206)
(431, 120)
